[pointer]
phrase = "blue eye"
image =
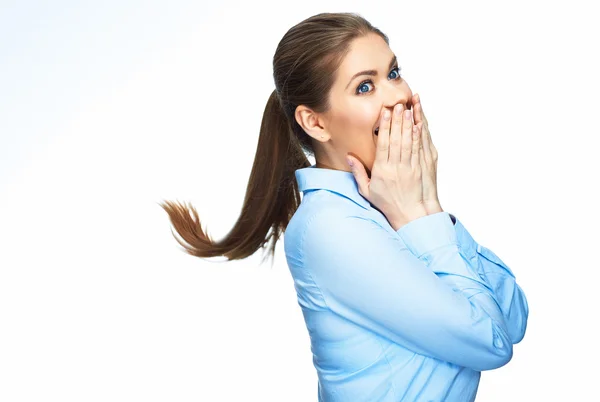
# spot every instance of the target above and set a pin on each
(396, 69)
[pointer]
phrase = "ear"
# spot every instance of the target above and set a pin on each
(311, 123)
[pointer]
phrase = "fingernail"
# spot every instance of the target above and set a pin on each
(350, 162)
(407, 113)
(386, 115)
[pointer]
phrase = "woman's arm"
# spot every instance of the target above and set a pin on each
(499, 277)
(363, 273)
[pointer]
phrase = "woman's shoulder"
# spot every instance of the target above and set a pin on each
(321, 204)
(323, 213)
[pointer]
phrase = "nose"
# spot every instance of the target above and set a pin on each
(395, 95)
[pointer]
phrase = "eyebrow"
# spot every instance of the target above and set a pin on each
(369, 72)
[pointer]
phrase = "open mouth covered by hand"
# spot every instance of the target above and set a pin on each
(376, 131)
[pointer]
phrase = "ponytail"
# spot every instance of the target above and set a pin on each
(271, 199)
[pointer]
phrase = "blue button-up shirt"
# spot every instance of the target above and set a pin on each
(413, 314)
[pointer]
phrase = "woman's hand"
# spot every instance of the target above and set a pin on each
(395, 185)
(428, 158)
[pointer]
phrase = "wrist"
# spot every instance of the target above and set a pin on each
(397, 221)
(433, 208)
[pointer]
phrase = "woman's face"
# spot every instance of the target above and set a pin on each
(356, 103)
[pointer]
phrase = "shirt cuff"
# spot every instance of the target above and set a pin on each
(428, 233)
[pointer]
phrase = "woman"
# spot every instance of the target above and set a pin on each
(400, 302)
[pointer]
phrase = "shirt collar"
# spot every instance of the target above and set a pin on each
(339, 181)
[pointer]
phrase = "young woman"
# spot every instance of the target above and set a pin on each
(400, 302)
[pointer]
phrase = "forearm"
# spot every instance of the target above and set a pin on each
(499, 276)
(496, 274)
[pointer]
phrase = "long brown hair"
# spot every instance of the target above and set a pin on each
(304, 67)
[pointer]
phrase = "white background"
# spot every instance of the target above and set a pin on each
(107, 108)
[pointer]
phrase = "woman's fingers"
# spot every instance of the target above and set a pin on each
(422, 161)
(416, 137)
(395, 135)
(418, 108)
(426, 144)
(383, 138)
(407, 138)
(430, 153)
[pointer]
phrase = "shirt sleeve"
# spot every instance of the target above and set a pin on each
(500, 278)
(366, 275)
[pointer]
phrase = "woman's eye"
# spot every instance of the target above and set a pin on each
(397, 70)
(364, 83)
